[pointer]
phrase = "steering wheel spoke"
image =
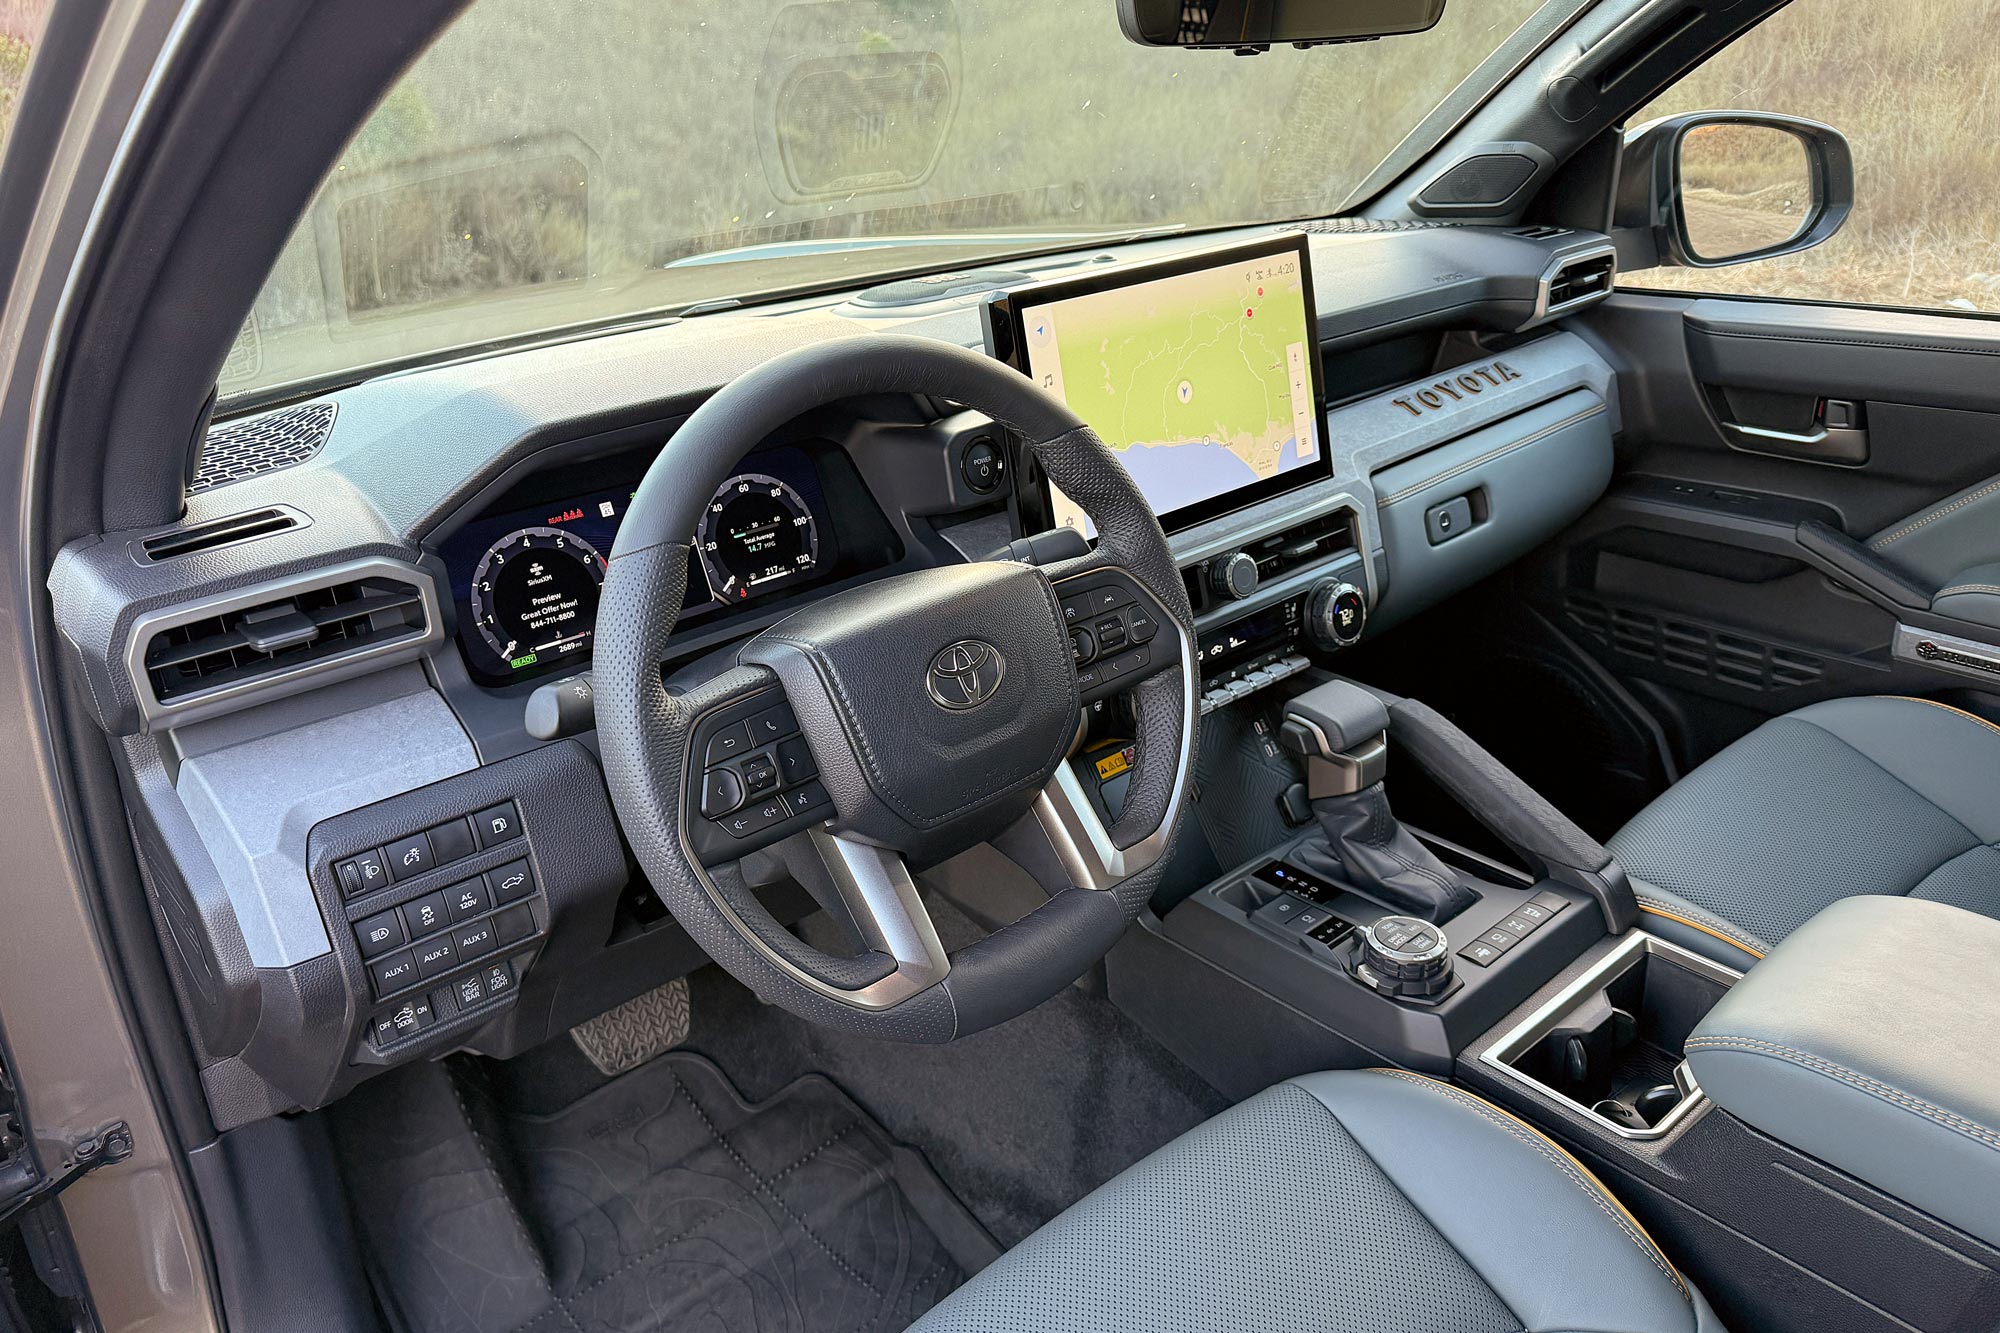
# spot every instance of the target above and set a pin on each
(875, 886)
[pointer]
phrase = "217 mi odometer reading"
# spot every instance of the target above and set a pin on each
(756, 532)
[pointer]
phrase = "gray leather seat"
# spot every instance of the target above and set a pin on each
(1869, 795)
(1380, 1201)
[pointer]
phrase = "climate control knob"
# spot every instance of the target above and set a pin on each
(1233, 576)
(1336, 613)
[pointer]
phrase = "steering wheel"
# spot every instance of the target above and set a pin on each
(909, 719)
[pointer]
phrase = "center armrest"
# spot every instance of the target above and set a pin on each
(1871, 1039)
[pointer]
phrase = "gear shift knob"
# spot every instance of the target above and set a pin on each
(1341, 731)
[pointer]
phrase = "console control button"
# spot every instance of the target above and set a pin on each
(436, 956)
(347, 874)
(499, 979)
(773, 724)
(496, 824)
(1481, 953)
(511, 881)
(410, 857)
(795, 762)
(474, 938)
(451, 842)
(393, 973)
(514, 924)
(470, 990)
(728, 743)
(379, 934)
(467, 900)
(1519, 925)
(412, 1016)
(1532, 913)
(425, 915)
(721, 792)
(1404, 958)
(1503, 940)
(1555, 902)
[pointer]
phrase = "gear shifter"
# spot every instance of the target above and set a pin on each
(1342, 732)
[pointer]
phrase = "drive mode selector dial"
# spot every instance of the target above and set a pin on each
(1336, 614)
(1403, 956)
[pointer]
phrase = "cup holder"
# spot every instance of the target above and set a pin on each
(1610, 1044)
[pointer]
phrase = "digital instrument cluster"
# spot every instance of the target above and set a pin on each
(528, 580)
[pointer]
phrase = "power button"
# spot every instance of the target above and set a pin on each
(981, 465)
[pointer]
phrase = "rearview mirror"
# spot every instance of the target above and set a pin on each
(1254, 25)
(1716, 188)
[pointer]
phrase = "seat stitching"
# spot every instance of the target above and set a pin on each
(1710, 924)
(1908, 1101)
(1967, 587)
(1937, 514)
(1557, 1158)
(1970, 717)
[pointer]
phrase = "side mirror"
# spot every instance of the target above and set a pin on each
(1716, 188)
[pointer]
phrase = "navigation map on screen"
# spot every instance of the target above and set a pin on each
(1198, 381)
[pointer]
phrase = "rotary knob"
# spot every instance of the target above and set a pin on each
(1233, 576)
(1403, 957)
(1336, 614)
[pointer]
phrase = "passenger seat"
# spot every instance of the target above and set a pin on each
(1882, 795)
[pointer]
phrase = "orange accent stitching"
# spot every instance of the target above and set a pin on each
(1696, 925)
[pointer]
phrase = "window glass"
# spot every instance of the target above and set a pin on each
(1913, 87)
(20, 26)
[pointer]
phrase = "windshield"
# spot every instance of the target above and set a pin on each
(552, 163)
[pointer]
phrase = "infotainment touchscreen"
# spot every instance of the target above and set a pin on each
(1202, 373)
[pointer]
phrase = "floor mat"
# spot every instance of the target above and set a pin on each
(660, 1200)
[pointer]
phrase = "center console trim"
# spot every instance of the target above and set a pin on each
(1519, 1040)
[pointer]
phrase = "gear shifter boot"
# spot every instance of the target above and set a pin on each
(1367, 846)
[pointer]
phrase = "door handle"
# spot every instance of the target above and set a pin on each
(1838, 436)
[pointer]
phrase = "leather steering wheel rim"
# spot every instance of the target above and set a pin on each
(1099, 879)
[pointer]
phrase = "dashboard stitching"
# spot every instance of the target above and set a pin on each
(1490, 455)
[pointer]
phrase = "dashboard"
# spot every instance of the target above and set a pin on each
(527, 571)
(320, 679)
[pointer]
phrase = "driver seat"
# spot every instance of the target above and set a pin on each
(1374, 1200)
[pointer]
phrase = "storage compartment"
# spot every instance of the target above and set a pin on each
(1612, 1044)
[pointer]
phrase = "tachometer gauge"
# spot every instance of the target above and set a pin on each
(534, 595)
(756, 533)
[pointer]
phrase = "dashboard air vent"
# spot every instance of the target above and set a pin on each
(1542, 231)
(1361, 226)
(305, 628)
(238, 450)
(219, 532)
(1310, 543)
(1580, 280)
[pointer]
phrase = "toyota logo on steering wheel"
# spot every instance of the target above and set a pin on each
(965, 674)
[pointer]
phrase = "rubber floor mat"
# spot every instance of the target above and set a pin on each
(660, 1201)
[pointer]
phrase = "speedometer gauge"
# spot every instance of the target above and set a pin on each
(756, 533)
(534, 595)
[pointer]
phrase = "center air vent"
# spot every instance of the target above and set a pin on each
(305, 631)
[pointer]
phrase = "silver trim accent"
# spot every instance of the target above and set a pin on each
(875, 884)
(1518, 1041)
(1545, 285)
(1908, 646)
(154, 714)
(1430, 955)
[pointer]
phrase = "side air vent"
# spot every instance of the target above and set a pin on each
(1574, 283)
(1310, 543)
(1694, 649)
(206, 659)
(238, 450)
(218, 533)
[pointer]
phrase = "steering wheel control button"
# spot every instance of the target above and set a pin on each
(379, 934)
(1082, 647)
(450, 842)
(467, 900)
(410, 857)
(721, 792)
(773, 724)
(756, 818)
(425, 915)
(393, 972)
(1141, 625)
(496, 824)
(795, 762)
(1110, 633)
(1075, 610)
(809, 799)
(510, 882)
(760, 775)
(730, 742)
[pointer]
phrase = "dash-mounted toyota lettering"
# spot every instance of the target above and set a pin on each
(1457, 388)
